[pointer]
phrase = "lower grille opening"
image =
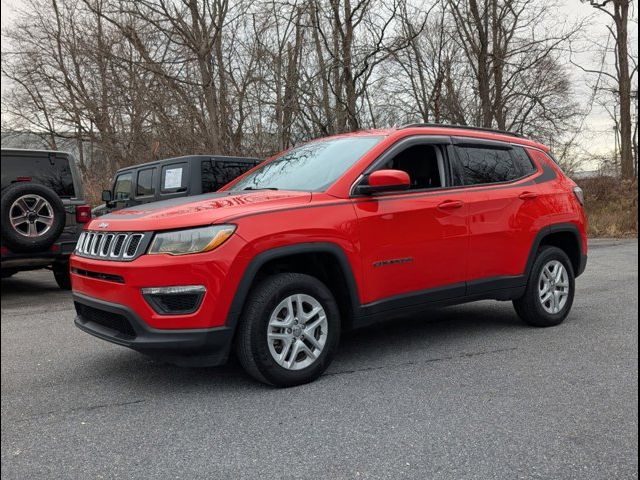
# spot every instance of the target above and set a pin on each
(99, 275)
(111, 320)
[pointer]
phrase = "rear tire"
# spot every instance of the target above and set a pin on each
(289, 330)
(62, 275)
(550, 290)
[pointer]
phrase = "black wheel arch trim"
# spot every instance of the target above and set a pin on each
(242, 291)
(552, 229)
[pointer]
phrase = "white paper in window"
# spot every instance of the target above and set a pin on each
(172, 178)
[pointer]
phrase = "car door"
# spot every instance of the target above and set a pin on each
(502, 208)
(413, 242)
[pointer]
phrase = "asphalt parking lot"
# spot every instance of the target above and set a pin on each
(463, 392)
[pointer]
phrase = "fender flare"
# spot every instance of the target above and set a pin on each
(242, 291)
(551, 229)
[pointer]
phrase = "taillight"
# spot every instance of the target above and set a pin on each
(579, 193)
(83, 213)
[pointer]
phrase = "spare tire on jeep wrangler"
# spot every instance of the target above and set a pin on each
(32, 215)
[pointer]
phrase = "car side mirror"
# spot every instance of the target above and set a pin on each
(106, 196)
(385, 181)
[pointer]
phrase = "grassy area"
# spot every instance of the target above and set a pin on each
(612, 206)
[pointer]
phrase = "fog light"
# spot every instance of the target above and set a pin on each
(174, 300)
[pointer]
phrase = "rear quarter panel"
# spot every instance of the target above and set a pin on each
(557, 200)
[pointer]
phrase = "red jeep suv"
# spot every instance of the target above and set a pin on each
(338, 233)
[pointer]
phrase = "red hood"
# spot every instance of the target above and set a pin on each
(187, 212)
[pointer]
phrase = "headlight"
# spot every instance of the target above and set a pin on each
(193, 240)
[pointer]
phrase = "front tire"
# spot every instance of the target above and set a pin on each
(289, 330)
(550, 290)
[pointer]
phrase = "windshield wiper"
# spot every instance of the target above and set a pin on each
(261, 188)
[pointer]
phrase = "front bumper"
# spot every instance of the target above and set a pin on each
(123, 283)
(119, 324)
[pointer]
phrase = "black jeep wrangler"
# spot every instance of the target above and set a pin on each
(43, 212)
(170, 178)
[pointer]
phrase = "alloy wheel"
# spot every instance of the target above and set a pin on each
(297, 331)
(553, 287)
(31, 215)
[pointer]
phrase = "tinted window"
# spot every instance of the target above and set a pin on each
(487, 165)
(144, 186)
(174, 177)
(422, 163)
(312, 167)
(216, 174)
(49, 170)
(122, 187)
(523, 161)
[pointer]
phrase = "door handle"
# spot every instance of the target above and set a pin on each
(528, 195)
(451, 204)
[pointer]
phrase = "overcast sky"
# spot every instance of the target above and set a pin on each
(598, 136)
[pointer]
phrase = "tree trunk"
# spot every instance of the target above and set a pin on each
(624, 88)
(484, 81)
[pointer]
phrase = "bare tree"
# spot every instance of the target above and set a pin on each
(618, 11)
(131, 81)
(513, 50)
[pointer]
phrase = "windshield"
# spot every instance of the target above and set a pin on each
(312, 167)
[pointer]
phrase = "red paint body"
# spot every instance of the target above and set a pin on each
(447, 236)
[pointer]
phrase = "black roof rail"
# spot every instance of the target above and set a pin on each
(462, 127)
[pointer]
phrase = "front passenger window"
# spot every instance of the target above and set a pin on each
(423, 163)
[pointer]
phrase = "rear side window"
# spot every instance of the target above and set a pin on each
(48, 170)
(482, 165)
(122, 187)
(216, 174)
(144, 185)
(174, 178)
(523, 161)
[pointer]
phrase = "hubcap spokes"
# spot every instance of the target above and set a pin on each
(31, 215)
(553, 287)
(297, 331)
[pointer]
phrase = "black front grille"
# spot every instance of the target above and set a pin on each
(111, 320)
(112, 246)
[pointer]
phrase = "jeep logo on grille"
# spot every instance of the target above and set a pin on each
(103, 225)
